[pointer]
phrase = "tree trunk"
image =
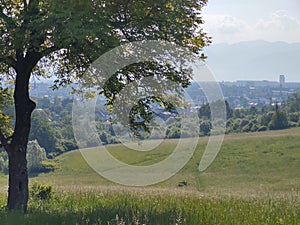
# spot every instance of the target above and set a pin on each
(18, 180)
(17, 148)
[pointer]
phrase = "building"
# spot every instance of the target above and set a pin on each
(256, 83)
(282, 81)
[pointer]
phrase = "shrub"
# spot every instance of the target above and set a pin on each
(173, 132)
(49, 165)
(294, 117)
(279, 121)
(293, 124)
(236, 125)
(41, 192)
(254, 128)
(262, 128)
(244, 122)
(266, 118)
(205, 127)
(247, 127)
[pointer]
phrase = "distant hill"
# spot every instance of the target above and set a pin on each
(254, 60)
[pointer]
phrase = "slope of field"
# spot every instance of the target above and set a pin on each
(254, 180)
(266, 163)
(252, 163)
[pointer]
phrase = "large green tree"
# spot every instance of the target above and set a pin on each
(66, 36)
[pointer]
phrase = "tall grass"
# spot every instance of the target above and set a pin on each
(120, 208)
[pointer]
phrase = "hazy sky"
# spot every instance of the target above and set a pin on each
(233, 21)
(242, 20)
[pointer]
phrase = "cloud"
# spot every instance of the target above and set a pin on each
(280, 20)
(279, 26)
(224, 28)
(230, 25)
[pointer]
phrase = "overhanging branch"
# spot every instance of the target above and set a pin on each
(10, 24)
(48, 51)
(8, 60)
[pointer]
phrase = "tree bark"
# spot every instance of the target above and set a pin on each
(17, 148)
(18, 180)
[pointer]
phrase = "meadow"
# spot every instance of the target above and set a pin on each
(255, 179)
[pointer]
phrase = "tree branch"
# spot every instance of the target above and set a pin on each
(8, 20)
(48, 51)
(10, 61)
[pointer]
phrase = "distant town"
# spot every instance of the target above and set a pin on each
(239, 94)
(246, 93)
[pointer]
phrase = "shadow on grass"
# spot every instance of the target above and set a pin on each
(99, 217)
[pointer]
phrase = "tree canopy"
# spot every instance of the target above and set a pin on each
(68, 35)
(61, 38)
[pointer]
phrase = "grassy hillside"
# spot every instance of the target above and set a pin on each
(254, 180)
(264, 163)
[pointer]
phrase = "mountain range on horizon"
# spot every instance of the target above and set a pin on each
(254, 60)
(251, 60)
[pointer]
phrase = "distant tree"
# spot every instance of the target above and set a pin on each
(43, 133)
(43, 103)
(238, 114)
(205, 112)
(293, 103)
(205, 127)
(35, 156)
(266, 118)
(3, 162)
(294, 117)
(173, 132)
(279, 121)
(253, 110)
(229, 110)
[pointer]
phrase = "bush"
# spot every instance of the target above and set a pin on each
(247, 127)
(293, 124)
(262, 128)
(236, 125)
(68, 145)
(243, 123)
(41, 192)
(205, 127)
(279, 121)
(266, 118)
(173, 132)
(294, 117)
(254, 128)
(49, 165)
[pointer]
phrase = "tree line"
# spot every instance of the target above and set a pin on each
(52, 133)
(52, 122)
(256, 119)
